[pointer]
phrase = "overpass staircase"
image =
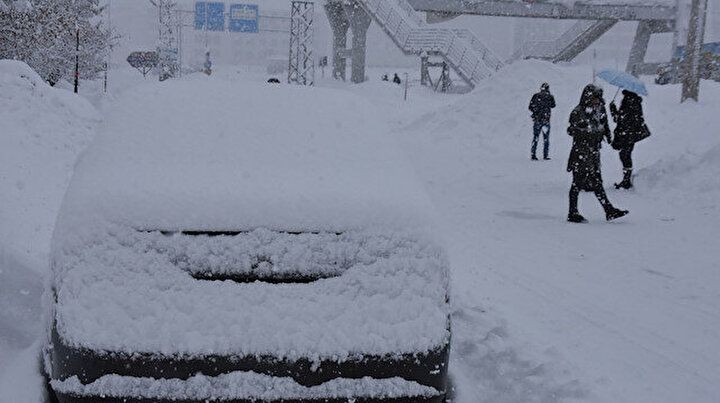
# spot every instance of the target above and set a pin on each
(570, 44)
(471, 60)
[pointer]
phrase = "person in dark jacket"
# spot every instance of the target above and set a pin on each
(630, 129)
(588, 127)
(541, 105)
(396, 79)
(207, 66)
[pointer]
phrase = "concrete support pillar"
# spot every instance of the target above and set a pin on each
(425, 71)
(639, 47)
(359, 24)
(445, 81)
(339, 24)
(693, 51)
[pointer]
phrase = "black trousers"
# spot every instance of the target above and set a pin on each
(626, 157)
(599, 193)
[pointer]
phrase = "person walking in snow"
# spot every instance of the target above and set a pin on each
(541, 105)
(588, 126)
(630, 128)
(396, 79)
(207, 66)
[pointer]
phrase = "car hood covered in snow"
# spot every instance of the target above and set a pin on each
(263, 188)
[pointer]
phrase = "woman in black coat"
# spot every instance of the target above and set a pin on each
(629, 130)
(588, 127)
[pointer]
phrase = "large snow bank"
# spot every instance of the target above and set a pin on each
(207, 154)
(685, 143)
(686, 171)
(42, 131)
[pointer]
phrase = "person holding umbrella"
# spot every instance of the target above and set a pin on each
(588, 127)
(630, 123)
(630, 128)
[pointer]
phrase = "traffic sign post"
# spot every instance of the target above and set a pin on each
(209, 16)
(243, 18)
(143, 61)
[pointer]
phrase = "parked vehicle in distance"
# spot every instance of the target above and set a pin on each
(669, 73)
(245, 253)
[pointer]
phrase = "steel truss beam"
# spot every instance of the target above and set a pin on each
(578, 11)
(301, 68)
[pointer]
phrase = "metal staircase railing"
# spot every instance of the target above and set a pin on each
(487, 55)
(569, 44)
(466, 54)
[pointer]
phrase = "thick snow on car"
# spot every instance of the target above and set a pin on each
(236, 242)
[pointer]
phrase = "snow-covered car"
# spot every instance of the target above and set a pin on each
(238, 242)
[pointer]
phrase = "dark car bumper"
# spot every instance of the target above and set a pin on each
(429, 368)
(95, 399)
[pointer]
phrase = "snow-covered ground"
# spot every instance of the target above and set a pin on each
(544, 310)
(42, 131)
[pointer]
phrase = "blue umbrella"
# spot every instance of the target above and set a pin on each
(623, 80)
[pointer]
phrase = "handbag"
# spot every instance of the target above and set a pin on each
(644, 133)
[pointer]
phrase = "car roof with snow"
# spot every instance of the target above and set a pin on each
(212, 154)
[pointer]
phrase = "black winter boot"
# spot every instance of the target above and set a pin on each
(627, 180)
(613, 213)
(576, 218)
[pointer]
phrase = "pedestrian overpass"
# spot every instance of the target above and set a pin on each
(466, 54)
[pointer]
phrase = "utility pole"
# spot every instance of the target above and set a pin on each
(168, 46)
(108, 58)
(693, 51)
(77, 58)
(406, 87)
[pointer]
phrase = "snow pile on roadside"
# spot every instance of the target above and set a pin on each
(43, 130)
(496, 116)
(243, 385)
(20, 290)
(687, 158)
(689, 171)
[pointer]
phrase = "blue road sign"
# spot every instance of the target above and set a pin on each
(210, 15)
(243, 18)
